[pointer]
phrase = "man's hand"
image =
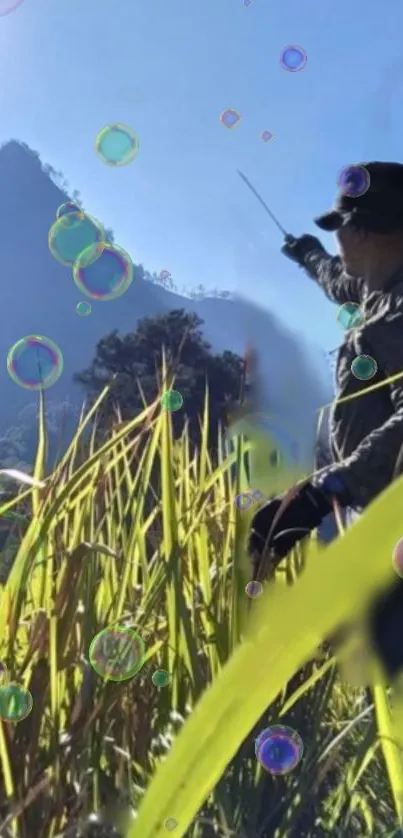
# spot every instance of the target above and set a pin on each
(299, 249)
(280, 524)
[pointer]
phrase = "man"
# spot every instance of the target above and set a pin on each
(367, 431)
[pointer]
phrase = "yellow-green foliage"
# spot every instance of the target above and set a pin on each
(139, 530)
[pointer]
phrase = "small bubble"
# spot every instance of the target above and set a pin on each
(266, 136)
(117, 144)
(230, 118)
(293, 58)
(172, 400)
(364, 367)
(279, 749)
(254, 589)
(160, 678)
(349, 316)
(83, 308)
(354, 181)
(171, 824)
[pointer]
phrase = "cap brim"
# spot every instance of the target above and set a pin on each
(330, 221)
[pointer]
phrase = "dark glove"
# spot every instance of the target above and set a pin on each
(303, 513)
(299, 249)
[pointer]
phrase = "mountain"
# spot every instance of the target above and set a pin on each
(39, 297)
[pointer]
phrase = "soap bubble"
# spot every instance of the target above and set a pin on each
(397, 558)
(364, 367)
(279, 749)
(35, 362)
(107, 275)
(83, 308)
(160, 678)
(266, 136)
(230, 118)
(7, 6)
(254, 589)
(117, 653)
(117, 145)
(293, 59)
(171, 824)
(67, 207)
(172, 400)
(74, 233)
(354, 181)
(15, 702)
(349, 316)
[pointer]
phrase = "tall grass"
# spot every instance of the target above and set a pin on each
(140, 530)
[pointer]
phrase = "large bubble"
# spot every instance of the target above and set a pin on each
(117, 145)
(279, 749)
(103, 274)
(74, 233)
(35, 362)
(350, 316)
(117, 653)
(66, 208)
(354, 181)
(364, 367)
(8, 6)
(15, 703)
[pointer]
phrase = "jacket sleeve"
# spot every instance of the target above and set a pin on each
(376, 461)
(328, 272)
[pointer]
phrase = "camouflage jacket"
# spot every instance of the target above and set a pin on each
(366, 433)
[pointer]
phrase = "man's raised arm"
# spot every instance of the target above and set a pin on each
(326, 270)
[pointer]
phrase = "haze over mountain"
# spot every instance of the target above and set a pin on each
(39, 296)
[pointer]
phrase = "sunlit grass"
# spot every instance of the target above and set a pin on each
(142, 530)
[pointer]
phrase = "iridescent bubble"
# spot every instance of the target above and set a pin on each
(172, 400)
(104, 275)
(7, 6)
(230, 118)
(266, 136)
(35, 362)
(15, 703)
(171, 824)
(117, 653)
(397, 558)
(83, 308)
(254, 589)
(279, 749)
(354, 181)
(349, 316)
(67, 207)
(74, 233)
(364, 367)
(293, 58)
(117, 144)
(160, 678)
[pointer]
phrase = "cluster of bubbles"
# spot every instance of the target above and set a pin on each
(117, 653)
(350, 316)
(35, 362)
(279, 749)
(161, 678)
(293, 59)
(101, 270)
(16, 701)
(172, 400)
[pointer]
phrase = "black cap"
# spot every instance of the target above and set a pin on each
(370, 196)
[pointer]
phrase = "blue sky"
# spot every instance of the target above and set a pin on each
(168, 68)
